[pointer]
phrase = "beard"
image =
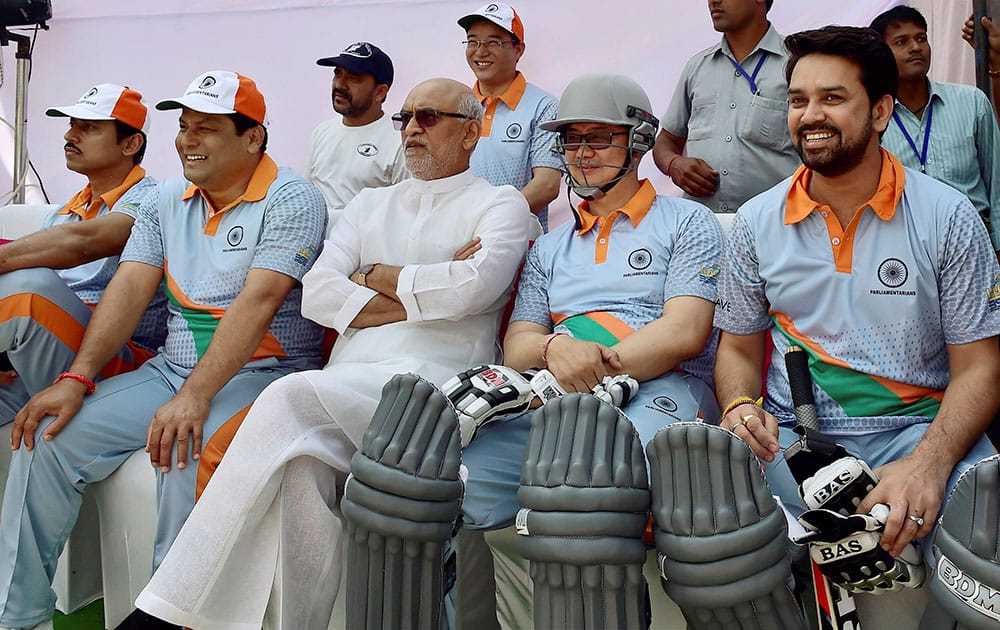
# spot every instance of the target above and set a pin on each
(354, 105)
(838, 160)
(429, 165)
(423, 167)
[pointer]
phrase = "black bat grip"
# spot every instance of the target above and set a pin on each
(800, 383)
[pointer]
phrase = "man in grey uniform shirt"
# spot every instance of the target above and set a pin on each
(724, 137)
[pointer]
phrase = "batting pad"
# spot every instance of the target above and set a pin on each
(965, 590)
(401, 502)
(585, 500)
(721, 538)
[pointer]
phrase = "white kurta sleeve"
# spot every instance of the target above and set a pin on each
(329, 297)
(455, 289)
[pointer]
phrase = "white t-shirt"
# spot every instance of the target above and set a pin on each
(344, 160)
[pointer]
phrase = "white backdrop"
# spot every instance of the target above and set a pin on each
(158, 46)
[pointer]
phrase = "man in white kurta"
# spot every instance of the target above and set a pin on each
(265, 535)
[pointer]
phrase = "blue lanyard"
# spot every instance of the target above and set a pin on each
(922, 154)
(751, 78)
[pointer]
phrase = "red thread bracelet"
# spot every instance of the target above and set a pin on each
(91, 387)
(670, 164)
(545, 347)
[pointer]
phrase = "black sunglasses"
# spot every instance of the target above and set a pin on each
(426, 118)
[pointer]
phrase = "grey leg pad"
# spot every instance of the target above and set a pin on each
(721, 537)
(401, 502)
(585, 501)
(965, 590)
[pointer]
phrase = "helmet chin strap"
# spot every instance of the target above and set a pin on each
(592, 193)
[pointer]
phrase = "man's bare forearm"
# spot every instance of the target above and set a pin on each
(239, 333)
(68, 245)
(542, 189)
(379, 310)
(658, 347)
(969, 404)
(738, 365)
(117, 315)
(384, 279)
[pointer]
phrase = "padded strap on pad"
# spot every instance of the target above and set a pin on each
(721, 538)
(400, 503)
(965, 590)
(585, 501)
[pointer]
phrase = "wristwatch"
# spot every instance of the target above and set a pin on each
(363, 273)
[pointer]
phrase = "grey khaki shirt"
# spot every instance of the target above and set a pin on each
(741, 134)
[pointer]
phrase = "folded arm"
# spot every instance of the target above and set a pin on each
(69, 244)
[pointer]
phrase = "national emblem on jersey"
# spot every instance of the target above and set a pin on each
(892, 273)
(993, 295)
(304, 254)
(640, 259)
(235, 236)
(514, 131)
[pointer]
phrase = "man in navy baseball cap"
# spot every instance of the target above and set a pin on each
(363, 58)
(361, 149)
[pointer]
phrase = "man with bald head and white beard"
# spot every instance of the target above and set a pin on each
(387, 281)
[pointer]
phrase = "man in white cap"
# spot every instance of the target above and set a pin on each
(513, 149)
(51, 280)
(230, 240)
(361, 150)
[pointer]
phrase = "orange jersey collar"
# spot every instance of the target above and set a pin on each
(798, 204)
(263, 176)
(636, 209)
(511, 96)
(87, 208)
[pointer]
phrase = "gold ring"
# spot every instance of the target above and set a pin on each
(745, 419)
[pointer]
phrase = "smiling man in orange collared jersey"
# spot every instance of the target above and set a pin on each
(513, 148)
(230, 240)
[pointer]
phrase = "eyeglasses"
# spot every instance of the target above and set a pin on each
(491, 44)
(426, 118)
(594, 140)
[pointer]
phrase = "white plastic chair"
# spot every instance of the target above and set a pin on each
(117, 524)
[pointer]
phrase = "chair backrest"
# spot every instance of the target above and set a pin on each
(17, 220)
(726, 219)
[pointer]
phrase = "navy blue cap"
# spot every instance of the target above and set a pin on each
(363, 58)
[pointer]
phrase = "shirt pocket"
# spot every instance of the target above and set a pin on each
(702, 122)
(767, 123)
(954, 157)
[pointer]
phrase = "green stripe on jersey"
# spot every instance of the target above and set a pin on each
(860, 394)
(202, 325)
(583, 327)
